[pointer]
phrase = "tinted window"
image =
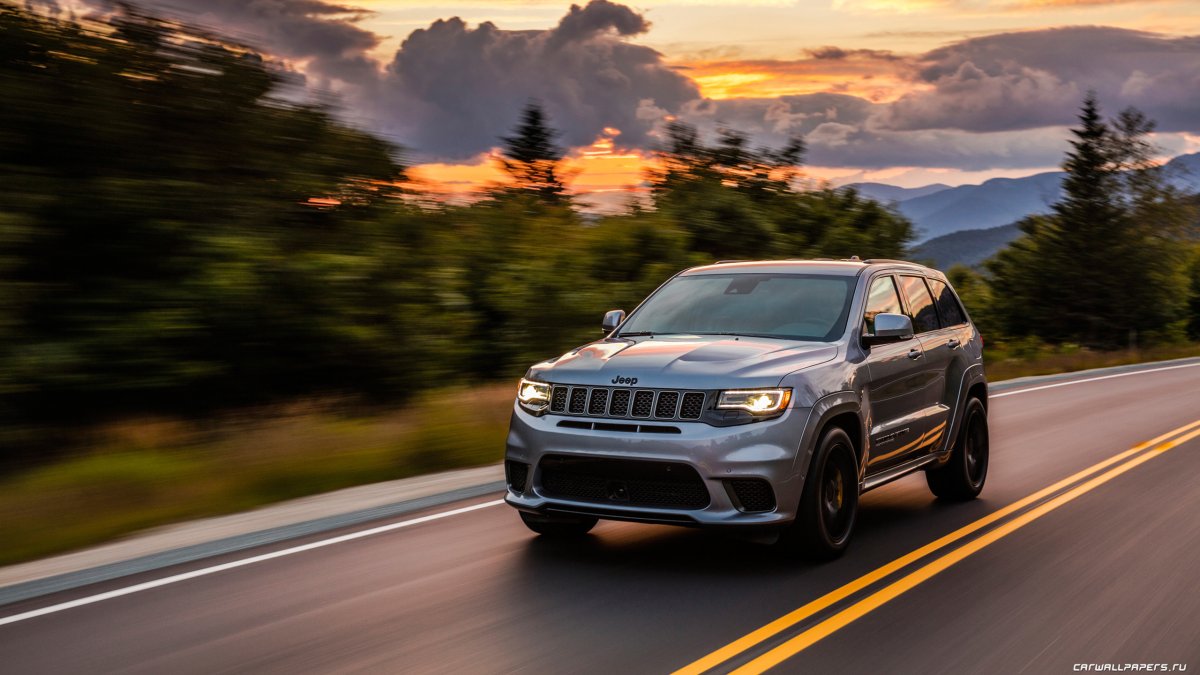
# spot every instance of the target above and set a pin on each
(881, 299)
(789, 306)
(947, 305)
(920, 304)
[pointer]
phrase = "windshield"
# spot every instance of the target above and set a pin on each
(788, 306)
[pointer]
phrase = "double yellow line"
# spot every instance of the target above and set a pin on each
(1083, 482)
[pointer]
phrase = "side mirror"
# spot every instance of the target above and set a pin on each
(612, 319)
(889, 328)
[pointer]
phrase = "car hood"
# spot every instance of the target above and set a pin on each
(694, 362)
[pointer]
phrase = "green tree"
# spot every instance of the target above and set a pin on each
(1193, 328)
(739, 202)
(532, 157)
(1105, 267)
(172, 236)
(976, 294)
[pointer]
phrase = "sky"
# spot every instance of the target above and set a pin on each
(908, 92)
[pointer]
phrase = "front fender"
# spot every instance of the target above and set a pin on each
(823, 410)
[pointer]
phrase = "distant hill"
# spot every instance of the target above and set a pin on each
(937, 210)
(996, 202)
(967, 247)
(890, 193)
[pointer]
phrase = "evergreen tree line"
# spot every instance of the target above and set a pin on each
(1116, 262)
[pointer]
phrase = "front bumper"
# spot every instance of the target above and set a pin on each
(766, 450)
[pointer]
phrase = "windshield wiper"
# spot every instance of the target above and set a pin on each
(755, 335)
(639, 333)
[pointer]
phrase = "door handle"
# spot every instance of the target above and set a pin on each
(914, 354)
(952, 343)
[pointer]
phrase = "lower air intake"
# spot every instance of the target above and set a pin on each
(752, 495)
(517, 474)
(666, 485)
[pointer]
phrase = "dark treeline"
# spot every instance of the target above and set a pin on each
(175, 237)
(1116, 262)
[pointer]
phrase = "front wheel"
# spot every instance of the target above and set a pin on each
(961, 479)
(558, 526)
(829, 505)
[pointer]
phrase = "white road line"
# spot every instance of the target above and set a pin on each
(1091, 379)
(240, 563)
(404, 523)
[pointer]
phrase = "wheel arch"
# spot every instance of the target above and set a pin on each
(840, 409)
(973, 384)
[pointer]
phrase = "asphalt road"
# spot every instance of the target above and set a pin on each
(1103, 569)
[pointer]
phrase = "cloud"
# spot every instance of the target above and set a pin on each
(840, 130)
(1037, 78)
(1000, 101)
(324, 36)
(452, 90)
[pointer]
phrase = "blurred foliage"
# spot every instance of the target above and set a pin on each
(177, 237)
(1193, 271)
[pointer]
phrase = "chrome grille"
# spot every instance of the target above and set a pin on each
(627, 403)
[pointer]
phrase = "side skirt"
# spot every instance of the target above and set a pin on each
(884, 477)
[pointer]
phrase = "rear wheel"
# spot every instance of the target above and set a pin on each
(829, 505)
(556, 526)
(962, 478)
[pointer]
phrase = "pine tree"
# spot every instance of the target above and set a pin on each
(532, 158)
(1104, 267)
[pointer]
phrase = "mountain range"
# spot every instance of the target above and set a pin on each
(968, 223)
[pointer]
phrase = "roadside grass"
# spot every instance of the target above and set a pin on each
(146, 473)
(1027, 358)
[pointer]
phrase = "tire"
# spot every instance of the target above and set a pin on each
(829, 505)
(961, 479)
(558, 527)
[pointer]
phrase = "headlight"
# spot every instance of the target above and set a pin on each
(757, 401)
(533, 396)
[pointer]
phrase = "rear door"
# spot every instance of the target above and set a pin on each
(896, 390)
(952, 345)
(938, 344)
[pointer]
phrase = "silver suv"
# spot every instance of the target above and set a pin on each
(764, 395)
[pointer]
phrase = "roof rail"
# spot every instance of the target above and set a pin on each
(728, 262)
(872, 261)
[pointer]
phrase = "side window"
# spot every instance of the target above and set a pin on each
(947, 305)
(920, 304)
(882, 298)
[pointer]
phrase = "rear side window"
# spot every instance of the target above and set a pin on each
(920, 304)
(947, 305)
(881, 299)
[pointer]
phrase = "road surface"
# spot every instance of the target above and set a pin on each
(1083, 549)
